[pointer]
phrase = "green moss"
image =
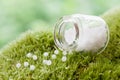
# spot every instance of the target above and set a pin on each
(104, 66)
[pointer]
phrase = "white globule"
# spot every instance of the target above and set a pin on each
(53, 56)
(34, 57)
(32, 67)
(64, 53)
(56, 52)
(18, 65)
(45, 54)
(29, 55)
(44, 61)
(64, 58)
(49, 62)
(26, 64)
(67, 67)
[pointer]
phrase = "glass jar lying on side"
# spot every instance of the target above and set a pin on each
(81, 33)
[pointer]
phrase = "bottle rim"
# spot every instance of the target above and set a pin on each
(59, 33)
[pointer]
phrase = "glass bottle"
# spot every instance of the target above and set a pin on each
(79, 32)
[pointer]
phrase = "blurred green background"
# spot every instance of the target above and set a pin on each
(17, 16)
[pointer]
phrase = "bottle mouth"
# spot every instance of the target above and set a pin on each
(66, 33)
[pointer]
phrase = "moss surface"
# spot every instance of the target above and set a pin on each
(104, 66)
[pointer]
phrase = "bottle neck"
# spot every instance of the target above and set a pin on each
(66, 33)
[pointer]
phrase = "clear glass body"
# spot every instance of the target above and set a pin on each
(81, 33)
